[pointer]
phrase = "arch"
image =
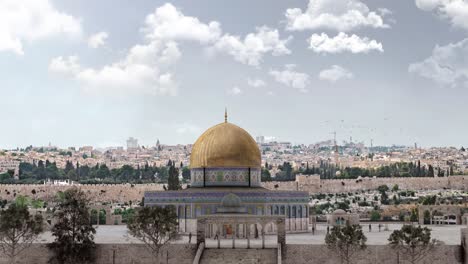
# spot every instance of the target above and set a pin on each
(93, 215)
(102, 217)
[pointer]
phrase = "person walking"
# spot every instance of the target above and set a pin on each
(190, 238)
(370, 228)
(313, 230)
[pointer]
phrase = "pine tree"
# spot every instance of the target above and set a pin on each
(173, 179)
(418, 169)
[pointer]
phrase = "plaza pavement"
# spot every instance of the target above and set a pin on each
(117, 234)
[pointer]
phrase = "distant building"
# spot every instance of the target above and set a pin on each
(132, 143)
(59, 182)
(260, 139)
(9, 165)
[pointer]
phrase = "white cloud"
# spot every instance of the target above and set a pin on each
(255, 83)
(447, 65)
(97, 40)
(251, 49)
(66, 66)
(235, 91)
(456, 11)
(29, 20)
(291, 78)
(168, 23)
(384, 11)
(341, 43)
(146, 67)
(335, 73)
(340, 15)
(142, 71)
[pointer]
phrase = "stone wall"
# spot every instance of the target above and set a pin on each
(239, 256)
(116, 254)
(312, 184)
(293, 254)
(96, 192)
(319, 254)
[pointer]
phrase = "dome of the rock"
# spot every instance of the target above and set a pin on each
(225, 146)
(225, 155)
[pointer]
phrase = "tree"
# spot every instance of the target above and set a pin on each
(18, 229)
(383, 193)
(265, 176)
(346, 241)
(72, 175)
(375, 216)
(73, 231)
(22, 200)
(154, 226)
(431, 171)
(37, 204)
(173, 179)
(412, 241)
(186, 173)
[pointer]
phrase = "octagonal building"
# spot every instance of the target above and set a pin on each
(225, 168)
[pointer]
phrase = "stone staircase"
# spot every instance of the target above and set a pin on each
(242, 256)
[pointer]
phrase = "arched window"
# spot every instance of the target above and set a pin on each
(180, 213)
(294, 211)
(198, 210)
(276, 210)
(282, 210)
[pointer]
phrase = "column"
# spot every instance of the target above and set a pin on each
(263, 236)
(218, 232)
(248, 235)
(234, 236)
(421, 215)
(185, 218)
(281, 232)
(201, 225)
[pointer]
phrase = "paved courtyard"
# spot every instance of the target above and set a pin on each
(449, 234)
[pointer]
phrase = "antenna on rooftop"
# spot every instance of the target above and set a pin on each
(225, 115)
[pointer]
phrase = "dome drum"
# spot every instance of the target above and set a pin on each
(238, 177)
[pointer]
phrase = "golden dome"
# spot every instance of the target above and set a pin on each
(225, 146)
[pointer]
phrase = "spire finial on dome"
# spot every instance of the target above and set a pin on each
(225, 115)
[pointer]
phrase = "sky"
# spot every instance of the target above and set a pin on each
(77, 73)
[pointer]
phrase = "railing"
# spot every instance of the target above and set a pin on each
(200, 249)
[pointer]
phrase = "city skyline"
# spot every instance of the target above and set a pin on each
(296, 71)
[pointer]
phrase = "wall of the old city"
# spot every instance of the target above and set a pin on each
(312, 184)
